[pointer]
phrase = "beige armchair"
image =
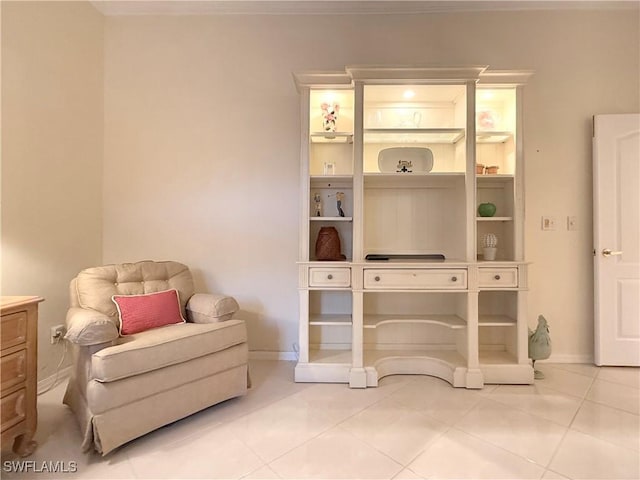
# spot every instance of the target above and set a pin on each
(123, 387)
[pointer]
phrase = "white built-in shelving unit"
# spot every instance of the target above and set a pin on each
(436, 306)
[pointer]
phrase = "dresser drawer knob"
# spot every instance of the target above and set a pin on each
(377, 278)
(330, 277)
(497, 277)
(454, 279)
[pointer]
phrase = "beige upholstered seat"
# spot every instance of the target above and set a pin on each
(124, 387)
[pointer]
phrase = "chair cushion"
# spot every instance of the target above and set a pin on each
(95, 286)
(103, 396)
(161, 347)
(138, 313)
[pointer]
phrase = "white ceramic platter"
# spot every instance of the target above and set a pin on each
(405, 159)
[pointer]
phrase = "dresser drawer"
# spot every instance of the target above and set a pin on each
(329, 277)
(497, 277)
(428, 279)
(14, 329)
(13, 411)
(13, 369)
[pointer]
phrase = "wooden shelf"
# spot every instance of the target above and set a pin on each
(496, 321)
(413, 135)
(491, 136)
(450, 357)
(330, 319)
(494, 219)
(331, 181)
(416, 179)
(331, 219)
(331, 137)
(449, 321)
(499, 177)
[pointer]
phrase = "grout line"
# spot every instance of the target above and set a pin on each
(535, 415)
(557, 473)
(612, 407)
(602, 369)
(582, 396)
(564, 436)
(488, 442)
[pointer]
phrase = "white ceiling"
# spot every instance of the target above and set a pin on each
(316, 7)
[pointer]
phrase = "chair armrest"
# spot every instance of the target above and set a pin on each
(90, 327)
(210, 308)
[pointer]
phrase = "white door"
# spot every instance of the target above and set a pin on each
(616, 181)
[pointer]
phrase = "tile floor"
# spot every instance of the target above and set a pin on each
(580, 422)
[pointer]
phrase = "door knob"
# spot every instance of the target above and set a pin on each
(607, 252)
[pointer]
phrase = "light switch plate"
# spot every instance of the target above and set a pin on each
(548, 223)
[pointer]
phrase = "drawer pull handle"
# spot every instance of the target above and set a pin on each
(454, 279)
(330, 277)
(376, 278)
(497, 277)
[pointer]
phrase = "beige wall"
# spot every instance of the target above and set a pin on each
(52, 72)
(201, 144)
(202, 141)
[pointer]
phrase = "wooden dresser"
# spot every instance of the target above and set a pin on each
(19, 373)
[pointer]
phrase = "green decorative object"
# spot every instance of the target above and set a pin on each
(486, 209)
(539, 344)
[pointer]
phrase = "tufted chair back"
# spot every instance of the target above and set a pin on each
(94, 287)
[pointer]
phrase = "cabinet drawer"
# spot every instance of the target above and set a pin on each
(435, 279)
(14, 329)
(13, 411)
(13, 369)
(329, 277)
(497, 277)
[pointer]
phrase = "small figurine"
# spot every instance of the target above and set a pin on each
(404, 166)
(318, 199)
(339, 199)
(329, 116)
(539, 345)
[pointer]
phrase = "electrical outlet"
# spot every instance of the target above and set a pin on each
(57, 332)
(548, 223)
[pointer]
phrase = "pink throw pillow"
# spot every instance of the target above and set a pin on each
(142, 312)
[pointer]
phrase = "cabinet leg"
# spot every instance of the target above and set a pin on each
(474, 379)
(358, 378)
(23, 445)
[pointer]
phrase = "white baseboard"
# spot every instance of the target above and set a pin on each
(47, 383)
(560, 358)
(293, 356)
(269, 355)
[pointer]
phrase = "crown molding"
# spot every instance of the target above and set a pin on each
(343, 7)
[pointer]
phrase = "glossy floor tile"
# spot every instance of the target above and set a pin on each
(579, 422)
(518, 432)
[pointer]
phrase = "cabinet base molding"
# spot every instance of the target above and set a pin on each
(474, 378)
(421, 365)
(507, 374)
(322, 373)
(358, 378)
